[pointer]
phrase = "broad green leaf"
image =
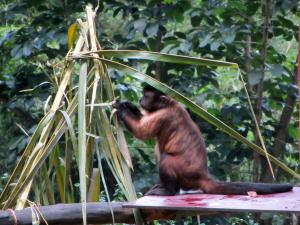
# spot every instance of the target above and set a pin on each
(254, 76)
(196, 20)
(111, 143)
(94, 189)
(152, 29)
(140, 24)
(82, 136)
(23, 198)
(72, 31)
(69, 138)
(60, 170)
(48, 186)
(277, 70)
(163, 57)
(123, 146)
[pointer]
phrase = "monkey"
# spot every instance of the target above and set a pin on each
(183, 157)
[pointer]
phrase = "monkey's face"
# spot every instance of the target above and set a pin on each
(147, 101)
(152, 101)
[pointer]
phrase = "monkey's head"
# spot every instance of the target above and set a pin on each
(154, 99)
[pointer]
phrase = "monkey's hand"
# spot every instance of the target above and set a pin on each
(120, 107)
(126, 108)
(116, 104)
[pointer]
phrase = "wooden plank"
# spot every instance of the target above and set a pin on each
(288, 202)
(70, 214)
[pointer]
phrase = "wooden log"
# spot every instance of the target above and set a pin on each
(97, 213)
(64, 214)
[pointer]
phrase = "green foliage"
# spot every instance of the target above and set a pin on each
(33, 36)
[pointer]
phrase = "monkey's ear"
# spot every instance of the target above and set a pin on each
(164, 99)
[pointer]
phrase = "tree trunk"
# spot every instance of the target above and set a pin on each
(281, 131)
(260, 86)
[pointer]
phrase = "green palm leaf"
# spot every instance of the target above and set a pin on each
(163, 57)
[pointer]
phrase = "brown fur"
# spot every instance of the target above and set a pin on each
(182, 160)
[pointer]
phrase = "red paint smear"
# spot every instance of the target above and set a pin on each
(282, 202)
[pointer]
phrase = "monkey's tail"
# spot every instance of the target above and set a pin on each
(241, 188)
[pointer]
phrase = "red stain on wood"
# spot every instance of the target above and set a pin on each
(288, 202)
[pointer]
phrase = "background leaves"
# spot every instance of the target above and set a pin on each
(33, 38)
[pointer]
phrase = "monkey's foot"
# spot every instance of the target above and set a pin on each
(160, 190)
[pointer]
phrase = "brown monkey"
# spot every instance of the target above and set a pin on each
(183, 160)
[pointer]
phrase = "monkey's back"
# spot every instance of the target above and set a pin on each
(181, 144)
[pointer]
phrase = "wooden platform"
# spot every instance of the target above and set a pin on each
(288, 202)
